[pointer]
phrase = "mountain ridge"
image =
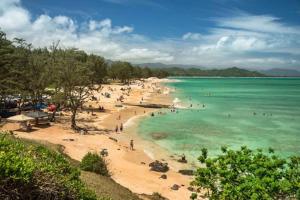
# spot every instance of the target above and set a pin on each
(276, 72)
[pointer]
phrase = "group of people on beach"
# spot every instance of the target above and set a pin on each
(101, 108)
(117, 128)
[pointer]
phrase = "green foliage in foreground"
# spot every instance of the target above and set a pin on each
(92, 162)
(247, 174)
(35, 172)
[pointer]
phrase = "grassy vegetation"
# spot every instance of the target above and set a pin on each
(154, 196)
(31, 168)
(30, 171)
(106, 187)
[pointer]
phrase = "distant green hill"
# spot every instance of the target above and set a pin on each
(229, 72)
(281, 72)
(195, 70)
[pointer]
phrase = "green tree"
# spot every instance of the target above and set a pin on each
(8, 82)
(122, 71)
(37, 74)
(98, 66)
(74, 80)
(247, 174)
(147, 72)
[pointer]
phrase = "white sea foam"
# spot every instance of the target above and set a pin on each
(131, 121)
(149, 154)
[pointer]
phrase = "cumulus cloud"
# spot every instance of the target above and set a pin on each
(244, 40)
(99, 36)
(139, 55)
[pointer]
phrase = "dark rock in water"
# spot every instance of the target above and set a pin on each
(191, 189)
(187, 172)
(182, 159)
(159, 166)
(164, 176)
(175, 187)
(159, 135)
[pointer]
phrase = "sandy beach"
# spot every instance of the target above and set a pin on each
(128, 168)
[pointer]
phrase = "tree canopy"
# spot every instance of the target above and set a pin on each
(248, 174)
(72, 74)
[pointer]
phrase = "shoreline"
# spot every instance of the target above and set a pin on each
(153, 151)
(128, 168)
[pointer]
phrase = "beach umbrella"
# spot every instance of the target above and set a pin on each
(20, 118)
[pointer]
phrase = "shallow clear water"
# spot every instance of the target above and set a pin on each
(257, 112)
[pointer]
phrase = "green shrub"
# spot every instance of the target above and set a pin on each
(248, 174)
(94, 163)
(34, 172)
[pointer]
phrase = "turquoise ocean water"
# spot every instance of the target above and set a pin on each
(257, 112)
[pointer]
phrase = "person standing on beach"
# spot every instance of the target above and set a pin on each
(121, 127)
(131, 145)
(117, 128)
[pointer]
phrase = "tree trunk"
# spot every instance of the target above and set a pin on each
(73, 119)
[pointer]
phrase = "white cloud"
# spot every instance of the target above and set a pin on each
(240, 43)
(192, 36)
(244, 40)
(140, 55)
(12, 16)
(258, 23)
(100, 37)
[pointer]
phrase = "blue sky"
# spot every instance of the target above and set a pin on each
(255, 34)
